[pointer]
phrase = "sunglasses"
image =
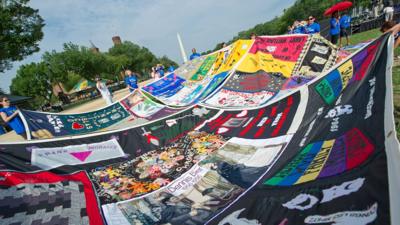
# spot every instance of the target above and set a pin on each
(6, 100)
(310, 18)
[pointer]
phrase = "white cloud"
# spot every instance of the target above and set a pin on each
(151, 23)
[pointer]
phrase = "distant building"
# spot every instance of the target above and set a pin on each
(116, 40)
(93, 48)
(57, 88)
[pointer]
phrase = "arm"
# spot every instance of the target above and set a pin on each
(8, 118)
(395, 29)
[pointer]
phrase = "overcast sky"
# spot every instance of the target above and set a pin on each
(151, 23)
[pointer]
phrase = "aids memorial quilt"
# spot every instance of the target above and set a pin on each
(325, 153)
(132, 110)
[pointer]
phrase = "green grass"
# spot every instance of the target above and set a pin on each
(364, 36)
(372, 34)
(396, 98)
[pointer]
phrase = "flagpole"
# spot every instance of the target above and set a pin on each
(184, 57)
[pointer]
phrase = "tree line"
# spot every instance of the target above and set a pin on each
(300, 10)
(21, 32)
(75, 62)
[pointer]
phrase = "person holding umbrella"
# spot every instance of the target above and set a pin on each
(335, 23)
(334, 31)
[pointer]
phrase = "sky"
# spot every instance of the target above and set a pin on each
(152, 24)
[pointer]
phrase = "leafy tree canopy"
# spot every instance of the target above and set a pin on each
(20, 31)
(32, 80)
(300, 10)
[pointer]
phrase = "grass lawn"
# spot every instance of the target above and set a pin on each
(371, 34)
(396, 98)
(364, 36)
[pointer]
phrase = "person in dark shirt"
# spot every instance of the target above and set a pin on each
(10, 116)
(335, 28)
(194, 54)
(345, 22)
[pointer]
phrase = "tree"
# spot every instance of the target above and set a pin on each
(138, 59)
(75, 62)
(20, 32)
(300, 10)
(77, 59)
(33, 80)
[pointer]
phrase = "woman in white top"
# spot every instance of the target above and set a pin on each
(105, 93)
(388, 11)
(155, 73)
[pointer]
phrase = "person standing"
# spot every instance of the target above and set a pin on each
(345, 24)
(154, 73)
(131, 80)
(312, 27)
(103, 89)
(10, 116)
(388, 11)
(375, 7)
(391, 26)
(194, 54)
(334, 31)
(290, 29)
(298, 27)
(160, 70)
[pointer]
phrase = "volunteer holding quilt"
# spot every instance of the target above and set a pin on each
(103, 89)
(10, 115)
(131, 80)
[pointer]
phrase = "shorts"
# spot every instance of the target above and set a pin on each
(334, 38)
(344, 32)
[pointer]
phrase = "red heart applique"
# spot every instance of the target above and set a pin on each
(77, 126)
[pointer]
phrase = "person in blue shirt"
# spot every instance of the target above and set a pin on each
(312, 27)
(131, 80)
(298, 28)
(2, 131)
(9, 114)
(290, 29)
(194, 54)
(335, 28)
(160, 70)
(345, 21)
